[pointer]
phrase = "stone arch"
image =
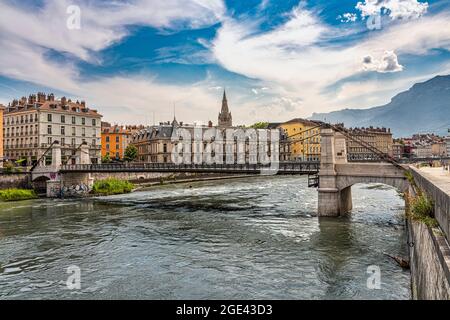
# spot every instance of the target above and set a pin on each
(344, 182)
(39, 183)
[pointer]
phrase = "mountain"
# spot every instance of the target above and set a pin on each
(425, 107)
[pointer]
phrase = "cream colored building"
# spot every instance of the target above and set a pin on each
(379, 138)
(2, 110)
(32, 125)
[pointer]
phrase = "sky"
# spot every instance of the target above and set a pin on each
(141, 61)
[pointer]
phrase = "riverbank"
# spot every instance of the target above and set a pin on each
(7, 195)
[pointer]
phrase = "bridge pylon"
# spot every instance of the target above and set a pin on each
(332, 201)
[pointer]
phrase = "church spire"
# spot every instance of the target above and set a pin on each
(225, 119)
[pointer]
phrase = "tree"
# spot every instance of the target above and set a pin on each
(130, 153)
(260, 125)
(106, 158)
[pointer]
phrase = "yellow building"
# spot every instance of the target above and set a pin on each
(1, 135)
(304, 139)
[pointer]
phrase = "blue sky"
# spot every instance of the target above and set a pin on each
(135, 60)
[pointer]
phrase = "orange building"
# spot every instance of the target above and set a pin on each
(115, 140)
(1, 135)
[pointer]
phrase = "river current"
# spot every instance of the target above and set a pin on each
(252, 238)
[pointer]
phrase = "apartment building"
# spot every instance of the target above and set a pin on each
(31, 125)
(379, 138)
(302, 140)
(2, 109)
(115, 140)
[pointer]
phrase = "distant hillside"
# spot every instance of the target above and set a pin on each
(425, 107)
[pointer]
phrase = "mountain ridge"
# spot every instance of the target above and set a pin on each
(425, 107)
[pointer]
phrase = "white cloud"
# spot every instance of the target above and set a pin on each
(299, 62)
(395, 9)
(387, 63)
(101, 24)
(347, 17)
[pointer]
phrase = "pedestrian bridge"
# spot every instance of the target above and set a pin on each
(334, 175)
(278, 168)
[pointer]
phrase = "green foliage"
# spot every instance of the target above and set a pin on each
(422, 209)
(260, 125)
(410, 177)
(112, 186)
(422, 205)
(17, 194)
(131, 153)
(8, 167)
(106, 158)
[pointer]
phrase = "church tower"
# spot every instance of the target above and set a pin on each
(225, 114)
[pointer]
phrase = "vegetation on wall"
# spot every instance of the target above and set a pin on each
(17, 194)
(421, 205)
(112, 186)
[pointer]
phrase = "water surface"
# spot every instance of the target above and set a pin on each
(252, 238)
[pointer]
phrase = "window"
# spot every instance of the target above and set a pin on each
(73, 142)
(117, 147)
(49, 140)
(93, 122)
(117, 155)
(63, 141)
(107, 138)
(63, 119)
(73, 120)
(63, 130)
(49, 129)
(165, 148)
(107, 146)
(117, 139)
(73, 131)
(94, 142)
(83, 121)
(83, 131)
(49, 117)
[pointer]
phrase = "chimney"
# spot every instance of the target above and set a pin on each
(31, 99)
(83, 103)
(23, 101)
(210, 124)
(41, 97)
(51, 97)
(63, 101)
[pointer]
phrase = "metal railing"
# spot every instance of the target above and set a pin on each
(283, 167)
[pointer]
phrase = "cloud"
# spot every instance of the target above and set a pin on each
(388, 63)
(395, 9)
(347, 17)
(101, 24)
(302, 62)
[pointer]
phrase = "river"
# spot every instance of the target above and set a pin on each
(253, 238)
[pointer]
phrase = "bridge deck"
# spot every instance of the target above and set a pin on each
(282, 168)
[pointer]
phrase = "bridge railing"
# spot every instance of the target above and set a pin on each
(107, 167)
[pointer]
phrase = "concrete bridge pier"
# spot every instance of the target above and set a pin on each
(332, 201)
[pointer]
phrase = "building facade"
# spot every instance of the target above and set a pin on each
(154, 143)
(439, 149)
(115, 140)
(379, 138)
(302, 140)
(31, 125)
(2, 109)
(398, 150)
